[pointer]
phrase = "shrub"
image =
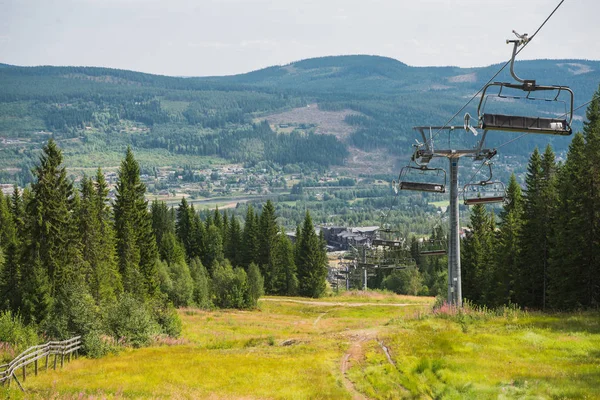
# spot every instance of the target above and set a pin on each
(255, 286)
(15, 335)
(201, 284)
(230, 286)
(183, 285)
(405, 281)
(130, 320)
(95, 344)
(165, 314)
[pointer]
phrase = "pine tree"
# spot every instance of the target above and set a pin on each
(477, 256)
(51, 256)
(250, 239)
(217, 219)
(183, 226)
(266, 241)
(225, 231)
(530, 273)
(111, 283)
(312, 261)
(539, 200)
(199, 238)
(162, 222)
(508, 248)
(136, 245)
(97, 241)
(569, 256)
(591, 132)
(214, 245)
(233, 247)
(284, 279)
(10, 294)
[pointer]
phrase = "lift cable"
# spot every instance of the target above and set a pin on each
(525, 43)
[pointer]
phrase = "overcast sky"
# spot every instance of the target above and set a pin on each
(223, 37)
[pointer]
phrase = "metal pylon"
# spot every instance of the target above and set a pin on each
(454, 281)
(426, 153)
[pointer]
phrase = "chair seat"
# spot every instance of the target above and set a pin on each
(423, 187)
(511, 123)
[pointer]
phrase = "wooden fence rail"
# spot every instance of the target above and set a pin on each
(35, 353)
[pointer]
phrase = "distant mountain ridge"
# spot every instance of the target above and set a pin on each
(218, 115)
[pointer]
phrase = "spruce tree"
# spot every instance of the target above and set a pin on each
(136, 245)
(284, 279)
(198, 237)
(508, 248)
(266, 241)
(591, 132)
(10, 294)
(233, 246)
(51, 256)
(162, 221)
(214, 245)
(97, 239)
(250, 239)
(183, 226)
(477, 256)
(530, 273)
(312, 261)
(569, 256)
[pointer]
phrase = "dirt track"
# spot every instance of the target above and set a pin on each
(335, 304)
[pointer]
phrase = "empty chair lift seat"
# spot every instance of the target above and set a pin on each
(484, 200)
(423, 187)
(499, 122)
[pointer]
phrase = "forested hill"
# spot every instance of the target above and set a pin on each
(103, 109)
(377, 75)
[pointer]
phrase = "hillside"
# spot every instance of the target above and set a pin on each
(102, 110)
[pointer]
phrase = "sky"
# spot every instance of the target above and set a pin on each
(225, 37)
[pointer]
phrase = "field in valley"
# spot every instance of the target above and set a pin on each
(353, 346)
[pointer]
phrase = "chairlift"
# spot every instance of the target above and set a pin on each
(484, 192)
(405, 181)
(526, 124)
(433, 247)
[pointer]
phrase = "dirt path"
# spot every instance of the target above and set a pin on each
(354, 354)
(334, 304)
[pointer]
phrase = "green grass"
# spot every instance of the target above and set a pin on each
(519, 356)
(291, 350)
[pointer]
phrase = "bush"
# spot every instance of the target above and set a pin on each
(129, 320)
(95, 344)
(165, 314)
(405, 281)
(230, 286)
(183, 285)
(255, 286)
(15, 335)
(201, 284)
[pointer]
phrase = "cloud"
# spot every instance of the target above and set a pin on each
(209, 45)
(262, 44)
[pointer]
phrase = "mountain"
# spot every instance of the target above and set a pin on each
(103, 109)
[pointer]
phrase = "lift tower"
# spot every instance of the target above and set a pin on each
(423, 155)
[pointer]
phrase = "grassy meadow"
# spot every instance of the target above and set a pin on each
(353, 346)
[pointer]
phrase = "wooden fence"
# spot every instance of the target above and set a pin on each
(62, 349)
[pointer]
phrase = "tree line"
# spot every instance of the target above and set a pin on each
(545, 250)
(74, 262)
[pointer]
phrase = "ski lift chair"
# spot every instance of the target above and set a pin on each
(433, 248)
(408, 184)
(484, 192)
(526, 124)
